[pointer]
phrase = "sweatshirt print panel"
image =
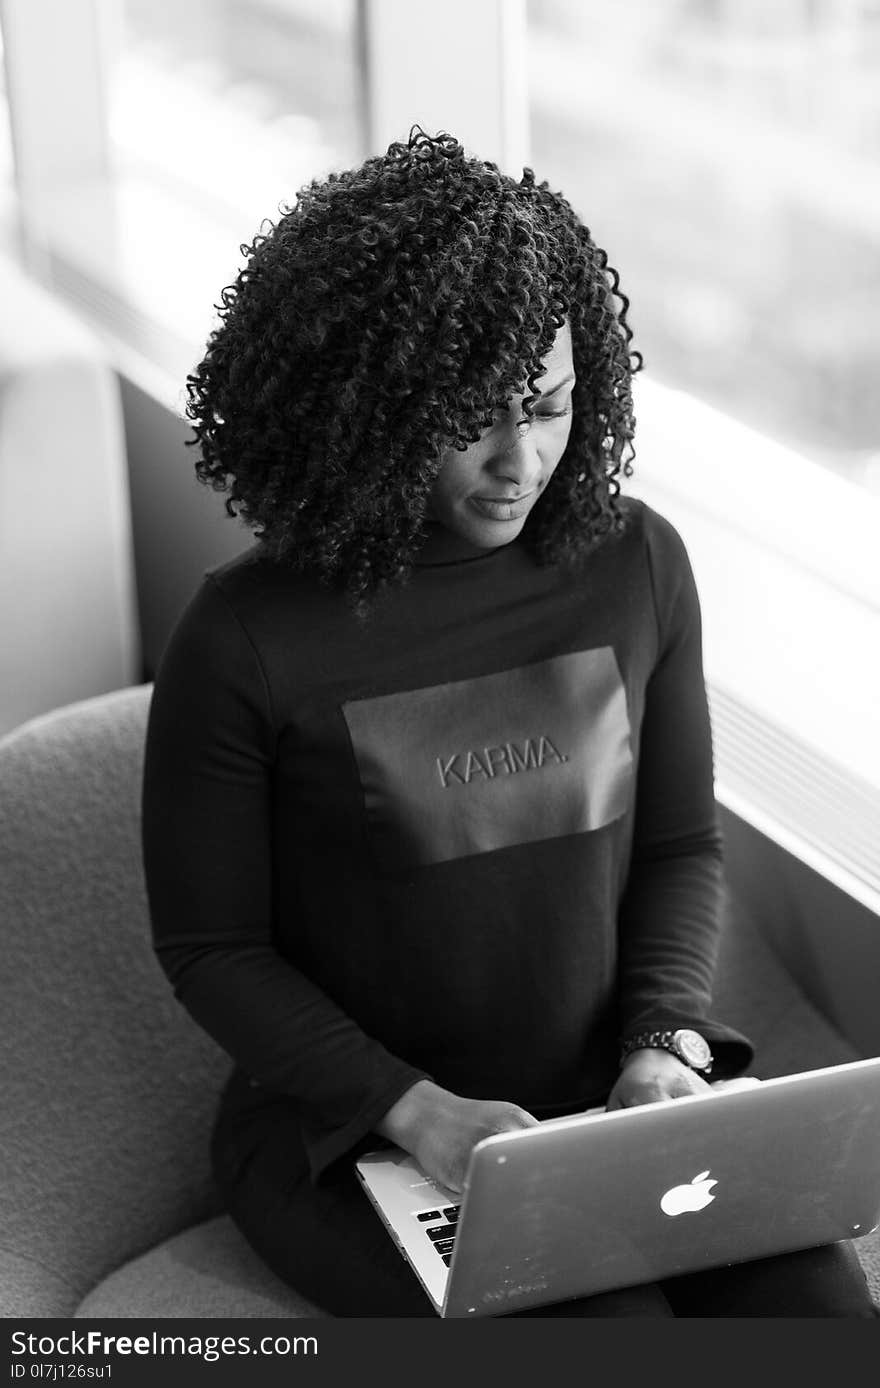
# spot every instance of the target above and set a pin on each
(466, 767)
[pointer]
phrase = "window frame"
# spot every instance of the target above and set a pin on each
(792, 512)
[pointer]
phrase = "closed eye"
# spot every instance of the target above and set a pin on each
(549, 414)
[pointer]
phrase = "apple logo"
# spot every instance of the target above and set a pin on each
(696, 1195)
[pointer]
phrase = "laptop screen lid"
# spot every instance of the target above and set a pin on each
(585, 1204)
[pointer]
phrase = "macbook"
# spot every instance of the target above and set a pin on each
(583, 1204)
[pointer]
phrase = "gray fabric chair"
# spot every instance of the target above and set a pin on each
(107, 1206)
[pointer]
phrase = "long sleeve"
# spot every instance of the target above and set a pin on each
(670, 916)
(207, 852)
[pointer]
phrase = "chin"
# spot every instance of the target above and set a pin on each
(491, 535)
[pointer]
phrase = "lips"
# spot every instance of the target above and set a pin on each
(498, 509)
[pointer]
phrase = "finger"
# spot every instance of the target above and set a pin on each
(645, 1095)
(513, 1118)
(514, 1123)
(684, 1089)
(453, 1179)
(679, 1088)
(528, 1120)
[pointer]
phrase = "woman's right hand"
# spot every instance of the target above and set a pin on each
(440, 1129)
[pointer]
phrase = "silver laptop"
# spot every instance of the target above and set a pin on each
(584, 1204)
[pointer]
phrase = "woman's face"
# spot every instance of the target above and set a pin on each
(484, 495)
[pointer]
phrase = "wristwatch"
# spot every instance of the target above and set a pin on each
(688, 1045)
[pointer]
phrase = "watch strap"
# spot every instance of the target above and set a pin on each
(666, 1040)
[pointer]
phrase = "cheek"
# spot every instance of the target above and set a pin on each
(442, 494)
(560, 443)
(456, 475)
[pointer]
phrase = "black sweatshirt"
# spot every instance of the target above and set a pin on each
(474, 840)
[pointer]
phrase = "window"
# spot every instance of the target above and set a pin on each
(177, 127)
(725, 152)
(218, 111)
(7, 169)
(234, 104)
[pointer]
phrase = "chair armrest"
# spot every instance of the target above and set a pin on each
(29, 1288)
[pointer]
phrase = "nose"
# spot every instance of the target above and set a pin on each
(518, 463)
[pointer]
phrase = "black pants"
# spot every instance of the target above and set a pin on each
(329, 1244)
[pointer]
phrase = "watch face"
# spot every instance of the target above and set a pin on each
(694, 1048)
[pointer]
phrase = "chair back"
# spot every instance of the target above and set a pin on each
(109, 1087)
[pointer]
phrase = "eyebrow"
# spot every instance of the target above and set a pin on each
(559, 384)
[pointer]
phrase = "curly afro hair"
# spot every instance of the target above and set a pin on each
(388, 316)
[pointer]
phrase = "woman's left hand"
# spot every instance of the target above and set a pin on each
(651, 1074)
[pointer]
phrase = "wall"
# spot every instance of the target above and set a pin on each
(180, 527)
(830, 942)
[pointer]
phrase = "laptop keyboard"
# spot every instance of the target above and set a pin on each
(440, 1226)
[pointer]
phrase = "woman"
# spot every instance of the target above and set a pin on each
(429, 827)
